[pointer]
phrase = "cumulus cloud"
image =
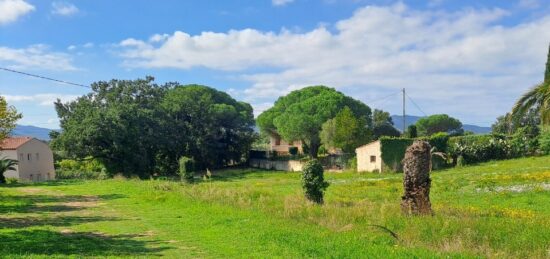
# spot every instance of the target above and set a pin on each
(46, 99)
(464, 63)
(64, 9)
(11, 10)
(281, 2)
(35, 57)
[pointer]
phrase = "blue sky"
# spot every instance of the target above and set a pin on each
(470, 59)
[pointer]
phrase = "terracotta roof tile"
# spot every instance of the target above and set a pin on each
(13, 143)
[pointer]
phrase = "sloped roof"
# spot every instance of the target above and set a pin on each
(14, 143)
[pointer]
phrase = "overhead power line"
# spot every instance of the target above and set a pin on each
(381, 99)
(43, 77)
(416, 105)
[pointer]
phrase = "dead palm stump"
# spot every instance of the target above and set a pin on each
(416, 179)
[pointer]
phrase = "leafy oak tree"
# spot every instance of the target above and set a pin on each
(345, 131)
(215, 128)
(430, 125)
(300, 114)
(8, 118)
(117, 123)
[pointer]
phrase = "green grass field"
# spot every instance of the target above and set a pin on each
(498, 209)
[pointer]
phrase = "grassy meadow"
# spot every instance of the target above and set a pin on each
(498, 209)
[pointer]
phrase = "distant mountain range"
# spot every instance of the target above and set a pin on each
(32, 131)
(410, 119)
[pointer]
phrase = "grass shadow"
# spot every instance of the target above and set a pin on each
(59, 221)
(79, 244)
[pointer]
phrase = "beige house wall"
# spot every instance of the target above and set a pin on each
(369, 157)
(279, 145)
(289, 166)
(35, 162)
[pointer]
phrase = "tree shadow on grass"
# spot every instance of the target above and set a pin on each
(39, 203)
(41, 184)
(230, 175)
(25, 222)
(45, 242)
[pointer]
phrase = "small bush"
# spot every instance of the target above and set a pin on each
(11, 180)
(313, 181)
(187, 169)
(352, 164)
(293, 151)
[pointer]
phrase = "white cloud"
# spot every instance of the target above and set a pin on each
(35, 57)
(88, 45)
(64, 9)
(281, 2)
(46, 99)
(463, 63)
(11, 10)
(530, 4)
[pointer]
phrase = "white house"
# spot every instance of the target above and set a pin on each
(35, 159)
(369, 157)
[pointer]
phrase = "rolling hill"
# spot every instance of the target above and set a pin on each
(32, 131)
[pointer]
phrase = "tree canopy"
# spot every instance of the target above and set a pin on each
(300, 114)
(8, 118)
(345, 131)
(137, 127)
(430, 125)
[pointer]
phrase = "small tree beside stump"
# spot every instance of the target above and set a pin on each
(313, 181)
(416, 179)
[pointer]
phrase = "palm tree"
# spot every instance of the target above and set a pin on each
(537, 97)
(6, 164)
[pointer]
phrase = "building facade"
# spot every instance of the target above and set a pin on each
(369, 157)
(35, 159)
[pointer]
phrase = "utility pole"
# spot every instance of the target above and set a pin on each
(404, 120)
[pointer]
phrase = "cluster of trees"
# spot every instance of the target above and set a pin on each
(136, 127)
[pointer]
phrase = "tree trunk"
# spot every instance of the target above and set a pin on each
(416, 179)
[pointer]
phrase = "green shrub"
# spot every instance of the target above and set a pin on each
(11, 180)
(544, 142)
(352, 164)
(187, 169)
(313, 181)
(293, 151)
(82, 175)
(479, 148)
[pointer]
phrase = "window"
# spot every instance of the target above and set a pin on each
(277, 141)
(21, 157)
(29, 156)
(37, 156)
(30, 177)
(373, 159)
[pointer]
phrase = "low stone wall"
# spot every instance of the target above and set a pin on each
(289, 166)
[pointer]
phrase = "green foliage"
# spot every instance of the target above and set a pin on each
(8, 117)
(6, 164)
(313, 181)
(544, 142)
(136, 127)
(345, 131)
(430, 125)
(411, 131)
(11, 180)
(87, 169)
(300, 114)
(352, 164)
(380, 117)
(385, 130)
(479, 148)
(187, 169)
(393, 152)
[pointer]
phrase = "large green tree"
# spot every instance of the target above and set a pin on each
(430, 125)
(383, 125)
(345, 131)
(8, 118)
(215, 128)
(117, 123)
(137, 127)
(300, 114)
(537, 98)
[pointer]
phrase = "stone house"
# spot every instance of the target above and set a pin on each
(369, 157)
